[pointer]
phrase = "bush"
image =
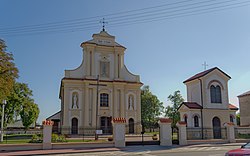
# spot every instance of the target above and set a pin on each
(36, 139)
(58, 138)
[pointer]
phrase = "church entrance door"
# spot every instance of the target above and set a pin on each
(216, 128)
(106, 125)
(131, 125)
(74, 126)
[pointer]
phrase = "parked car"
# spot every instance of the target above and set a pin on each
(243, 151)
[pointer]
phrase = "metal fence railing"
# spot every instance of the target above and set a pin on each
(208, 133)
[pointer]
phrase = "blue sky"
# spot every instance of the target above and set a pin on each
(163, 52)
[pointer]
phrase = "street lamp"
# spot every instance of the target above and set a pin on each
(1, 137)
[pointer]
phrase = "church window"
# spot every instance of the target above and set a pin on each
(104, 69)
(196, 121)
(104, 100)
(231, 118)
(185, 119)
(215, 93)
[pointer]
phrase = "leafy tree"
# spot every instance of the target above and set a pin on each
(171, 111)
(238, 118)
(29, 113)
(20, 102)
(15, 101)
(8, 72)
(151, 108)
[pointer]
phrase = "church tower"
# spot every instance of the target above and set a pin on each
(100, 89)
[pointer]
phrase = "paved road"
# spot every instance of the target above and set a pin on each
(213, 150)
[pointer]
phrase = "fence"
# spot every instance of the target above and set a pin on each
(20, 135)
(208, 133)
(242, 132)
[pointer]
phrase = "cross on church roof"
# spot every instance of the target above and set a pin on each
(103, 24)
(205, 65)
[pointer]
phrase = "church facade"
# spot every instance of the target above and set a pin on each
(207, 108)
(100, 89)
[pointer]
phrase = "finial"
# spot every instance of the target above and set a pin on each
(103, 24)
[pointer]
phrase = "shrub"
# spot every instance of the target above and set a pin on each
(36, 139)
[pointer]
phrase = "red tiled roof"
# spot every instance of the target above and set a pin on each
(232, 107)
(201, 74)
(192, 105)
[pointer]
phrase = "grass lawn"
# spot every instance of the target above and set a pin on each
(81, 140)
(19, 141)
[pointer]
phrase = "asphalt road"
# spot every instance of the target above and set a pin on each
(213, 150)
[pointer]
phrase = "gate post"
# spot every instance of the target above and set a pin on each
(119, 131)
(47, 131)
(165, 132)
(230, 132)
(182, 132)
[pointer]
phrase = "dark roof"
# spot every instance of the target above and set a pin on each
(53, 115)
(232, 107)
(244, 94)
(201, 74)
(191, 105)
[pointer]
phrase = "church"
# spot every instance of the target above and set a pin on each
(207, 108)
(100, 89)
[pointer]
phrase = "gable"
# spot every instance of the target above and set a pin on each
(206, 72)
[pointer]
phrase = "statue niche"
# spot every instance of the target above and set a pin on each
(131, 102)
(75, 101)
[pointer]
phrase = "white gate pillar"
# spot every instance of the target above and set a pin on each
(119, 131)
(47, 131)
(230, 132)
(182, 132)
(165, 132)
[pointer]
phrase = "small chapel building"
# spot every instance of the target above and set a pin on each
(207, 108)
(100, 89)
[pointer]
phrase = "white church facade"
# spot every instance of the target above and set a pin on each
(100, 89)
(207, 108)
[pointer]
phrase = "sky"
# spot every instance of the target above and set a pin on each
(167, 41)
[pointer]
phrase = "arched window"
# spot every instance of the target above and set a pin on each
(196, 121)
(231, 118)
(215, 94)
(104, 100)
(185, 119)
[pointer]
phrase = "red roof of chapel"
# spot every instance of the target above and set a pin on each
(201, 74)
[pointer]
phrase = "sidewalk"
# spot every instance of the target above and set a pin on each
(59, 151)
(110, 149)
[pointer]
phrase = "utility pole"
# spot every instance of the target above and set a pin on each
(97, 99)
(2, 120)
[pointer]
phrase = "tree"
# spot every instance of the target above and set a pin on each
(171, 111)
(15, 101)
(238, 118)
(151, 108)
(8, 72)
(29, 113)
(20, 102)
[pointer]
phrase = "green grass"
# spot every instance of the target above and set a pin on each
(81, 140)
(19, 141)
(151, 133)
(175, 136)
(243, 136)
